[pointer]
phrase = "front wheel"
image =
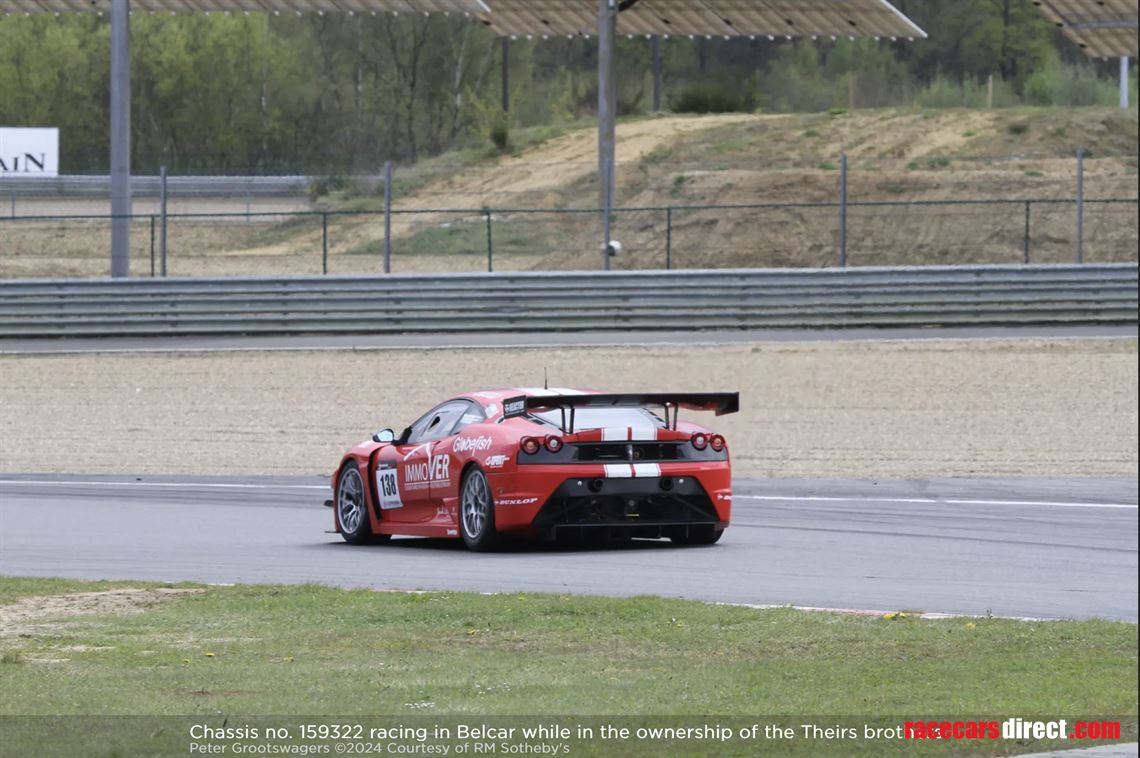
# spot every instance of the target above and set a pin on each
(352, 508)
(477, 512)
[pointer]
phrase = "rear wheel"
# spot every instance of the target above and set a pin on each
(704, 535)
(477, 512)
(352, 508)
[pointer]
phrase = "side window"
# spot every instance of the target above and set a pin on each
(473, 414)
(439, 422)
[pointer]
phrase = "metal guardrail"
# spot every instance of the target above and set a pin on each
(78, 185)
(572, 301)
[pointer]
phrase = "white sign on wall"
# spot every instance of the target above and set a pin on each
(29, 152)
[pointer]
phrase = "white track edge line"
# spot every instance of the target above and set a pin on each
(932, 501)
(184, 485)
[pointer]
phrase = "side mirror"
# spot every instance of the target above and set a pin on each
(384, 435)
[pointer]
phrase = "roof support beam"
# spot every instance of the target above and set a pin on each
(656, 73)
(607, 113)
(1124, 81)
(120, 138)
(505, 83)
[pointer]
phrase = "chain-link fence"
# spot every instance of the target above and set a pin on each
(518, 215)
(527, 239)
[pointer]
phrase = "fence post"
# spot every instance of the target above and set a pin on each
(843, 210)
(162, 212)
(669, 238)
(387, 217)
(490, 245)
(324, 243)
(152, 246)
(13, 203)
(1080, 205)
(1025, 241)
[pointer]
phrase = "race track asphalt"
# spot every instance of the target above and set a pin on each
(1061, 548)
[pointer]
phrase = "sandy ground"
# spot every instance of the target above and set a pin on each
(884, 409)
(28, 616)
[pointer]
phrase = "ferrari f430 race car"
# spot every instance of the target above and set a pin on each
(542, 464)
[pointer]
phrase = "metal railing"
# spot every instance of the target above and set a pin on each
(573, 301)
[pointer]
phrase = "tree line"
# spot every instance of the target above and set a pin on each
(335, 93)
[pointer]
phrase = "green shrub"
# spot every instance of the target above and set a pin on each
(501, 132)
(320, 187)
(944, 92)
(1018, 127)
(708, 97)
(1070, 86)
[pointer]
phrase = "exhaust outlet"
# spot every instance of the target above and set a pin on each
(666, 483)
(596, 485)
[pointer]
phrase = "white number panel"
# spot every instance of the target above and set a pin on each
(388, 486)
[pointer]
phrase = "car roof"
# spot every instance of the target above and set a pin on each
(492, 400)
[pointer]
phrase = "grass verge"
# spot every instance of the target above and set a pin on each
(261, 650)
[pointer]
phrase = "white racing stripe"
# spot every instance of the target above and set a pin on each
(933, 501)
(183, 485)
(615, 433)
(646, 469)
(619, 471)
(646, 432)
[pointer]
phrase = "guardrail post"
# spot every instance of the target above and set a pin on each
(1080, 205)
(162, 214)
(388, 217)
(1025, 240)
(843, 210)
(13, 204)
(490, 245)
(669, 238)
(324, 243)
(152, 246)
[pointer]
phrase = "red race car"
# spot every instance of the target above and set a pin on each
(542, 464)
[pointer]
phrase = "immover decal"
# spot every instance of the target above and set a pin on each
(436, 470)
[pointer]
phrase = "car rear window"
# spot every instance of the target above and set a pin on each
(599, 418)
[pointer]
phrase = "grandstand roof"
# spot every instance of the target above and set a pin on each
(1102, 28)
(729, 18)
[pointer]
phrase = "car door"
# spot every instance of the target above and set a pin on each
(405, 475)
(445, 490)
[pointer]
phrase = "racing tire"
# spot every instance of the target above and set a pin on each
(352, 508)
(703, 536)
(477, 512)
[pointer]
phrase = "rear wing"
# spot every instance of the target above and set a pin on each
(718, 402)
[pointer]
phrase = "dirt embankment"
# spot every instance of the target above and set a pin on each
(883, 409)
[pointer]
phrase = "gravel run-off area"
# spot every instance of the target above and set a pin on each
(869, 409)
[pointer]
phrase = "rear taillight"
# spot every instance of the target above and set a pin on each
(700, 441)
(554, 444)
(716, 442)
(530, 445)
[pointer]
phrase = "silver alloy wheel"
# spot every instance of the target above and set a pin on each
(475, 504)
(350, 501)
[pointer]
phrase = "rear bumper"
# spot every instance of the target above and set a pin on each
(549, 501)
